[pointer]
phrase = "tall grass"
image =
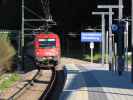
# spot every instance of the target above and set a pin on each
(7, 52)
(96, 57)
(7, 80)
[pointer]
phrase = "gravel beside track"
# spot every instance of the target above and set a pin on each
(40, 84)
(31, 92)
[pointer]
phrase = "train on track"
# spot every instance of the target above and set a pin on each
(47, 48)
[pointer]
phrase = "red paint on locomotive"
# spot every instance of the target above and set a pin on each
(47, 47)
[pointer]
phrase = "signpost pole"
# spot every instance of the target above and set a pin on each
(91, 37)
(91, 47)
(103, 38)
(91, 55)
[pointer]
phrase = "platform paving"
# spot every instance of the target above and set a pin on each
(95, 82)
(73, 90)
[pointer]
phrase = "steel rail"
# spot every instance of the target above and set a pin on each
(44, 94)
(50, 85)
(18, 93)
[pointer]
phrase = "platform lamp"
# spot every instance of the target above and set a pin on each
(110, 7)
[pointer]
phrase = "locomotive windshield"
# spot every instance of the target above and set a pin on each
(47, 43)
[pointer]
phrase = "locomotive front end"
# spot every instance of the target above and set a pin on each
(47, 49)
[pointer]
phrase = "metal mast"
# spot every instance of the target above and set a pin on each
(120, 9)
(111, 7)
(21, 38)
(46, 19)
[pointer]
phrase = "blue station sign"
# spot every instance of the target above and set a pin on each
(91, 36)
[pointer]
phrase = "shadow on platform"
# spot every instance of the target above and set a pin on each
(97, 79)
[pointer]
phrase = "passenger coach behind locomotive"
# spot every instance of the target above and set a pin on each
(47, 48)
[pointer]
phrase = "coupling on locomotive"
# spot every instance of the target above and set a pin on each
(47, 48)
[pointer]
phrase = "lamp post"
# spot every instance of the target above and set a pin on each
(102, 14)
(110, 7)
(120, 9)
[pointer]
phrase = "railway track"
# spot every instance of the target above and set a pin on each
(38, 88)
(50, 86)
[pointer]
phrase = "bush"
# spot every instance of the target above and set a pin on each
(8, 79)
(7, 53)
(96, 57)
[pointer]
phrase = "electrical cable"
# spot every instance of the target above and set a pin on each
(33, 12)
(31, 26)
(44, 7)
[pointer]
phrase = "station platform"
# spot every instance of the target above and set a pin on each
(95, 82)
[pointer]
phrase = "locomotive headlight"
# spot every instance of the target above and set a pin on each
(50, 57)
(43, 58)
(37, 53)
(55, 58)
(39, 58)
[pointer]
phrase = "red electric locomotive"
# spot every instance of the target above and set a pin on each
(47, 48)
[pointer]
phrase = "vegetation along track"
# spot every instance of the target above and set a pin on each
(37, 88)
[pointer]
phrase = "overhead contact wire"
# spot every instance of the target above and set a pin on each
(33, 12)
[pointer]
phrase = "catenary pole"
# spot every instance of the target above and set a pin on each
(22, 36)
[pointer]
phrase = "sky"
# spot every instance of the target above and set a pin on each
(70, 15)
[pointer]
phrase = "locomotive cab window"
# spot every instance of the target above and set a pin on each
(47, 43)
